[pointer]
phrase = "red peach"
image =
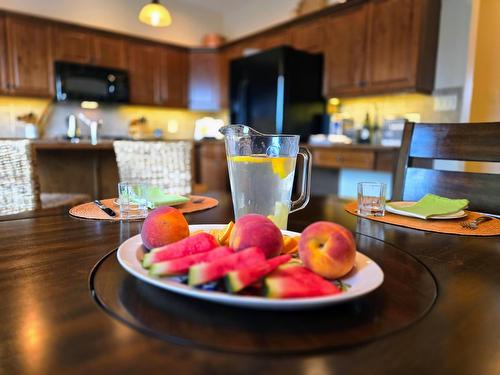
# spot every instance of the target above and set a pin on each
(327, 249)
(256, 230)
(163, 226)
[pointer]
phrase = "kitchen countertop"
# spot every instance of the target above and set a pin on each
(53, 144)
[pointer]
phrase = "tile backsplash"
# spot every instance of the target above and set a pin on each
(442, 106)
(12, 107)
(170, 123)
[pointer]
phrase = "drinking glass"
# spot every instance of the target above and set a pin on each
(261, 173)
(371, 198)
(132, 200)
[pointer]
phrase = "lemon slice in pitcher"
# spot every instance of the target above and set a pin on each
(281, 166)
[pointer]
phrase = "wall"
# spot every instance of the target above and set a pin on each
(485, 103)
(256, 15)
(190, 22)
(173, 123)
(253, 15)
(453, 43)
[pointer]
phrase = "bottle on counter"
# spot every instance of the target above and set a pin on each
(376, 130)
(365, 133)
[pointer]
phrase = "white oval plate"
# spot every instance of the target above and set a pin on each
(455, 215)
(365, 277)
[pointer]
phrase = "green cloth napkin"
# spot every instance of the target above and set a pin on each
(157, 197)
(431, 205)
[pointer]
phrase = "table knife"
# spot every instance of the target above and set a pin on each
(108, 210)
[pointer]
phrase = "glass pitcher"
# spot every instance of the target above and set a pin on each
(261, 173)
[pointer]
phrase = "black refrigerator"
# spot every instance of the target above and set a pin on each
(278, 91)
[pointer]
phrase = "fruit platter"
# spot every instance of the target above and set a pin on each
(250, 263)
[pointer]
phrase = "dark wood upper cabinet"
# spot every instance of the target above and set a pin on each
(309, 36)
(402, 45)
(3, 57)
(144, 73)
(225, 57)
(382, 46)
(71, 44)
(109, 51)
(174, 77)
(345, 52)
(29, 61)
(392, 44)
(204, 80)
(276, 39)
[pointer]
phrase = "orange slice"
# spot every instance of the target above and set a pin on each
(224, 234)
(215, 232)
(290, 245)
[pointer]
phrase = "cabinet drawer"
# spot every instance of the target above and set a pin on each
(343, 159)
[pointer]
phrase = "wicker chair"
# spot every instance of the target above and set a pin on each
(163, 164)
(19, 184)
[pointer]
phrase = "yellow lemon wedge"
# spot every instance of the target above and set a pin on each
(281, 165)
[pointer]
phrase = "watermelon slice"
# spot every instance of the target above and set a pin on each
(198, 243)
(241, 278)
(296, 281)
(205, 272)
(180, 266)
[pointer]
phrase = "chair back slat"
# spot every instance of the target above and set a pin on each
(466, 142)
(423, 143)
(476, 187)
(163, 164)
(19, 186)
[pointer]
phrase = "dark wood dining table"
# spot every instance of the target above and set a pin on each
(443, 318)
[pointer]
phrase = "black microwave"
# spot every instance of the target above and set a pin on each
(92, 83)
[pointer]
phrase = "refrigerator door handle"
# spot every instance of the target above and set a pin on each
(280, 103)
(243, 102)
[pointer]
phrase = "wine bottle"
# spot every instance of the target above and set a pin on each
(364, 134)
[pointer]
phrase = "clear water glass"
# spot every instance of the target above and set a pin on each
(371, 198)
(132, 199)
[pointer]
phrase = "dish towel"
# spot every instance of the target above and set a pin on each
(431, 205)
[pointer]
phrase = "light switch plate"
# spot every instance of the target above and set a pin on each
(444, 103)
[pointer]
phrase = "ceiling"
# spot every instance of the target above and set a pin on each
(220, 6)
(192, 19)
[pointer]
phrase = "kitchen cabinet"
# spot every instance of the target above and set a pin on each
(174, 77)
(28, 62)
(275, 39)
(78, 45)
(3, 56)
(226, 56)
(144, 73)
(309, 36)
(211, 171)
(204, 80)
(396, 45)
(109, 51)
(382, 46)
(71, 44)
(345, 52)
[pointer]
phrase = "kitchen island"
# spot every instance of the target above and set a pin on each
(66, 167)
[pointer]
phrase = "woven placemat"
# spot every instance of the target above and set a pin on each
(452, 226)
(91, 211)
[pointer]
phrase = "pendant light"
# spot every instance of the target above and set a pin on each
(155, 14)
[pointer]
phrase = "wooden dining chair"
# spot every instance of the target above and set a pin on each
(166, 164)
(19, 183)
(469, 142)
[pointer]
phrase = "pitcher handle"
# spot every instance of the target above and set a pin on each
(305, 186)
